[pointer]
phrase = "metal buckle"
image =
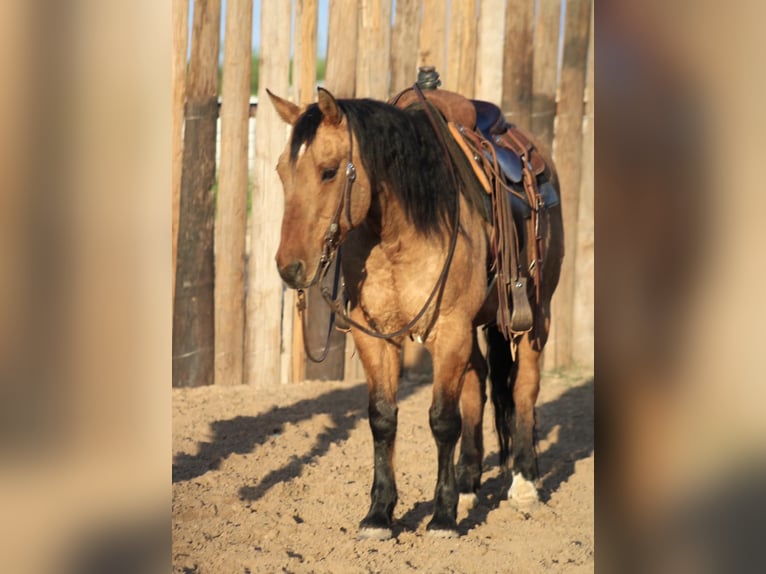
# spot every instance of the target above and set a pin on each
(350, 172)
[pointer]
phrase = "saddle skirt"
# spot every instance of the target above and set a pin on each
(519, 185)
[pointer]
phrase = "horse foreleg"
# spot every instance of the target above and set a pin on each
(525, 390)
(450, 357)
(381, 362)
(472, 400)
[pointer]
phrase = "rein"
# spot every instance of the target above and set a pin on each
(331, 247)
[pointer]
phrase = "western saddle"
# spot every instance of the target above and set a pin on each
(519, 183)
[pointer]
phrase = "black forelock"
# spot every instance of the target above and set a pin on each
(305, 130)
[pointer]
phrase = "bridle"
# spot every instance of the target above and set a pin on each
(331, 247)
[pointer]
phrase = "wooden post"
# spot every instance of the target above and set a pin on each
(193, 304)
(433, 36)
(489, 51)
(461, 49)
(374, 48)
(231, 221)
(544, 70)
(517, 62)
(264, 299)
(340, 74)
(317, 313)
(178, 70)
(568, 156)
(304, 66)
(340, 79)
(583, 321)
(405, 35)
(304, 79)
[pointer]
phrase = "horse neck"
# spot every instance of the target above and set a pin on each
(388, 218)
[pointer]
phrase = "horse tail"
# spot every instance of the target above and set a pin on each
(501, 367)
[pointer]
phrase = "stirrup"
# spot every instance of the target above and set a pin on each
(521, 316)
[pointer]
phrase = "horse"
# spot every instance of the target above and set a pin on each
(372, 179)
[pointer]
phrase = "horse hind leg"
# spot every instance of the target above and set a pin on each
(501, 375)
(472, 400)
(515, 386)
(526, 387)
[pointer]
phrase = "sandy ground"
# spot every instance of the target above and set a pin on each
(276, 479)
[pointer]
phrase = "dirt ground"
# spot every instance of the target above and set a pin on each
(276, 479)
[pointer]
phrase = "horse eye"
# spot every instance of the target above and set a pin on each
(328, 174)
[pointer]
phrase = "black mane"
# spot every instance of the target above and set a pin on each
(400, 149)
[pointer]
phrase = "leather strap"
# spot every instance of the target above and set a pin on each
(331, 248)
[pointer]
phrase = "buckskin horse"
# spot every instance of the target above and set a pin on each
(427, 253)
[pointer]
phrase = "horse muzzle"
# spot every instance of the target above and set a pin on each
(294, 274)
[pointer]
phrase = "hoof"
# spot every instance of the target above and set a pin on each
(467, 500)
(439, 533)
(523, 493)
(375, 527)
(372, 533)
(442, 528)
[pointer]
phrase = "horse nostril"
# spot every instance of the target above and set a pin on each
(292, 274)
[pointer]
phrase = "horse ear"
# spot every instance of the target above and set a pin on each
(328, 106)
(288, 111)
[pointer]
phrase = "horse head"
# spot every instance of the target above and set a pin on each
(324, 195)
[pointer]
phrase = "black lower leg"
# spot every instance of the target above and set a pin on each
(471, 455)
(383, 417)
(524, 457)
(445, 426)
(472, 401)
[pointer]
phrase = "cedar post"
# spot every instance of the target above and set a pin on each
(304, 66)
(193, 304)
(583, 323)
(517, 62)
(263, 339)
(404, 36)
(340, 76)
(433, 36)
(178, 70)
(373, 48)
(318, 314)
(231, 221)
(340, 79)
(304, 78)
(461, 63)
(489, 51)
(568, 154)
(544, 70)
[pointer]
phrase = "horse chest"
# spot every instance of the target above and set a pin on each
(393, 292)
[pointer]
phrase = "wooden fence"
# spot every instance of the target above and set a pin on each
(233, 322)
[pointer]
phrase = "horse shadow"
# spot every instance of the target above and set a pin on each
(573, 413)
(243, 434)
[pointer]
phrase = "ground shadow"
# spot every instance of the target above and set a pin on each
(489, 498)
(573, 413)
(242, 434)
